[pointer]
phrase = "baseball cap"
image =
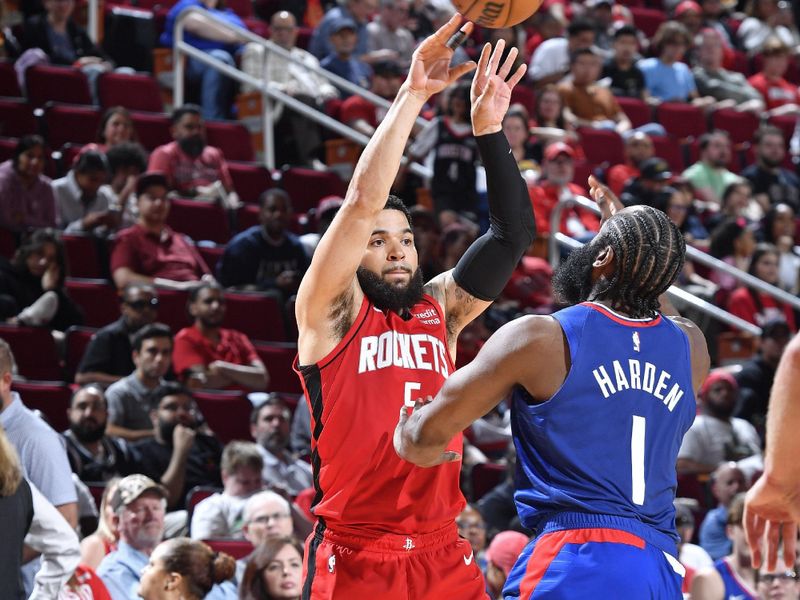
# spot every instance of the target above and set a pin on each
(775, 328)
(506, 548)
(714, 377)
(148, 179)
(595, 3)
(131, 487)
(655, 169)
(557, 148)
(343, 23)
(687, 6)
(328, 203)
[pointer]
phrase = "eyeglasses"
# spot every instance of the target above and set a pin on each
(769, 578)
(142, 304)
(264, 519)
(470, 525)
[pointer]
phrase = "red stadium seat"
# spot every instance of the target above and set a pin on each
(97, 298)
(34, 350)
(52, 398)
(741, 126)
(307, 187)
(47, 83)
(524, 95)
(77, 339)
(243, 8)
(16, 118)
(82, 256)
(249, 215)
(682, 120)
(152, 129)
(602, 146)
(9, 84)
(648, 20)
(76, 124)
(670, 150)
(200, 220)
(786, 123)
(250, 180)
(581, 173)
(258, 316)
(134, 92)
(236, 548)
(485, 476)
(638, 111)
(278, 359)
(227, 413)
(196, 495)
(232, 138)
(172, 309)
(211, 254)
(693, 486)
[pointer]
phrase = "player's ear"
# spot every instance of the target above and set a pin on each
(604, 258)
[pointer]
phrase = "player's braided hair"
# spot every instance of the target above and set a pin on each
(649, 251)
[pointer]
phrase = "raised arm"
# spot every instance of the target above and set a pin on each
(483, 271)
(330, 287)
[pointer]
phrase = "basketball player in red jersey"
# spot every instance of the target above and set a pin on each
(373, 337)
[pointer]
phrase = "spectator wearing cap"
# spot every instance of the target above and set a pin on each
(139, 506)
(757, 374)
(193, 168)
(266, 257)
(689, 14)
(780, 96)
(716, 436)
(342, 59)
(26, 194)
(638, 148)
(150, 251)
(357, 12)
(83, 205)
(550, 61)
(361, 114)
(710, 175)
(323, 215)
(729, 88)
(767, 18)
(501, 556)
(297, 138)
(727, 480)
(771, 182)
(690, 555)
(626, 79)
(601, 13)
(387, 35)
(107, 358)
(654, 176)
(558, 170)
(208, 355)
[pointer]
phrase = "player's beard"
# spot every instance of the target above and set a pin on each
(86, 433)
(572, 280)
(386, 296)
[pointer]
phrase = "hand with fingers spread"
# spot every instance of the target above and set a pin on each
(771, 514)
(407, 430)
(491, 88)
(430, 70)
(606, 200)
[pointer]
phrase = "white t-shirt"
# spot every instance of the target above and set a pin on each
(712, 441)
(552, 56)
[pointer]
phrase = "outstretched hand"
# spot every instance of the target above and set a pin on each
(406, 432)
(491, 88)
(771, 515)
(430, 70)
(606, 200)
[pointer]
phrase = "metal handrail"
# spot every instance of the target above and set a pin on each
(675, 292)
(269, 93)
(692, 253)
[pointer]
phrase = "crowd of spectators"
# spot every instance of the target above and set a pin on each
(136, 432)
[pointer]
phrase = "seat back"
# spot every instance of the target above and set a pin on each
(682, 120)
(602, 146)
(307, 187)
(638, 111)
(47, 83)
(258, 316)
(34, 351)
(232, 138)
(250, 180)
(97, 298)
(52, 398)
(9, 84)
(199, 220)
(76, 341)
(278, 359)
(16, 118)
(152, 129)
(82, 256)
(227, 413)
(70, 124)
(134, 92)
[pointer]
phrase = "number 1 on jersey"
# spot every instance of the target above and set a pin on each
(637, 459)
(408, 393)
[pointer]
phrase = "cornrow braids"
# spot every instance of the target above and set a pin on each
(649, 251)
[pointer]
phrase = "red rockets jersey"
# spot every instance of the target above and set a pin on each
(355, 394)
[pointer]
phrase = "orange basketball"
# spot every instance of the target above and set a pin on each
(497, 13)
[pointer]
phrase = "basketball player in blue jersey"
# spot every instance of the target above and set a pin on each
(603, 392)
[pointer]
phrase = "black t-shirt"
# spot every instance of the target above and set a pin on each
(16, 514)
(151, 458)
(781, 187)
(755, 384)
(109, 351)
(627, 82)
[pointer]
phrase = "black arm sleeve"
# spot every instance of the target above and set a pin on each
(487, 264)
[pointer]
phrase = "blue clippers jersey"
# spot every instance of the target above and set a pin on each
(735, 588)
(608, 440)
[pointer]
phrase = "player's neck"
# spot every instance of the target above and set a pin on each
(744, 570)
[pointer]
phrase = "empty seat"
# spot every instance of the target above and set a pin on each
(232, 138)
(278, 359)
(172, 309)
(307, 187)
(97, 298)
(250, 180)
(152, 129)
(82, 256)
(602, 146)
(669, 149)
(648, 20)
(258, 316)
(67, 123)
(638, 111)
(227, 413)
(34, 350)
(9, 84)
(200, 220)
(76, 341)
(52, 398)
(16, 118)
(682, 120)
(134, 92)
(47, 83)
(741, 126)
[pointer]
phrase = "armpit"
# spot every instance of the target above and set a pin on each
(341, 314)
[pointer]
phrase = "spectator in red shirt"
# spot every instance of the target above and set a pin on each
(782, 97)
(559, 169)
(638, 148)
(208, 355)
(149, 251)
(193, 168)
(362, 115)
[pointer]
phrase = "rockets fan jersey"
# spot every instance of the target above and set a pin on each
(355, 394)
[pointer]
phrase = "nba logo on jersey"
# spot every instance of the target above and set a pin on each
(636, 341)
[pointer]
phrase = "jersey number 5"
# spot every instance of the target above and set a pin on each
(637, 459)
(408, 393)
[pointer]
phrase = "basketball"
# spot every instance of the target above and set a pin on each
(495, 14)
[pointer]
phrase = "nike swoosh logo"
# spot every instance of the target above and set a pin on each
(468, 561)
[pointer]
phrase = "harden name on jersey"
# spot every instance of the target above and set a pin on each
(635, 376)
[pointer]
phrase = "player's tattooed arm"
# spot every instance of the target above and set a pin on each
(459, 305)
